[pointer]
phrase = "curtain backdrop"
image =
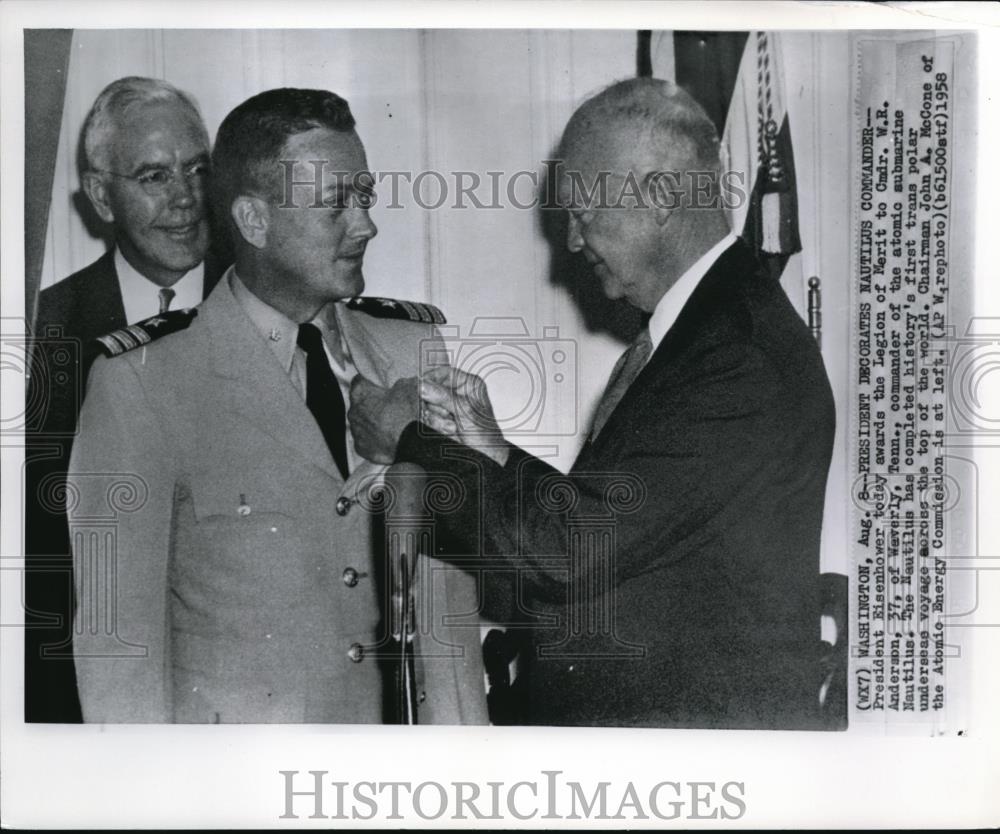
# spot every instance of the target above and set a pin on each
(46, 58)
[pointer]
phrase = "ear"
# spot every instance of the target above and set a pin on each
(666, 194)
(95, 186)
(252, 217)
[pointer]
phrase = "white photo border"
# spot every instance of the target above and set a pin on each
(229, 776)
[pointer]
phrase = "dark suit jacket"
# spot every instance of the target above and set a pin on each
(71, 314)
(672, 574)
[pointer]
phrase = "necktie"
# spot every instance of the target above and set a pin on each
(323, 397)
(622, 376)
(166, 296)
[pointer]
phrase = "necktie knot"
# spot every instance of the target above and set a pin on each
(643, 345)
(166, 296)
(310, 339)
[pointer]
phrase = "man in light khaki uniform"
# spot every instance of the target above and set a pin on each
(243, 584)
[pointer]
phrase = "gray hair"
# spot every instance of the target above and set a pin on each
(111, 108)
(677, 123)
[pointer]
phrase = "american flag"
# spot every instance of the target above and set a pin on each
(738, 77)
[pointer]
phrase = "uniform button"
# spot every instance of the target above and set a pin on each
(422, 697)
(350, 577)
(356, 653)
(343, 505)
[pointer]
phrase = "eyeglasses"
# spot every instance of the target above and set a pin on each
(157, 181)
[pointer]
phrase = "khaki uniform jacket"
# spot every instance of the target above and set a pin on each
(225, 571)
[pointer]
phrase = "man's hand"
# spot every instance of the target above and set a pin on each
(378, 415)
(457, 404)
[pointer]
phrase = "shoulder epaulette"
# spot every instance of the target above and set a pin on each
(391, 308)
(144, 332)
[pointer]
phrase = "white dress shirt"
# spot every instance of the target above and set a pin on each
(281, 334)
(141, 296)
(669, 307)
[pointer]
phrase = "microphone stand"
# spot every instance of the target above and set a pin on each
(405, 530)
(407, 693)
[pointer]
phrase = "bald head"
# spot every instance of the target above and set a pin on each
(654, 116)
(641, 185)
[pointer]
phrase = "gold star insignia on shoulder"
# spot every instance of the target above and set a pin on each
(144, 332)
(391, 308)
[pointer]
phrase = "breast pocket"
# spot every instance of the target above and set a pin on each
(246, 540)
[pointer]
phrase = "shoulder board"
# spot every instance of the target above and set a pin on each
(391, 308)
(144, 332)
